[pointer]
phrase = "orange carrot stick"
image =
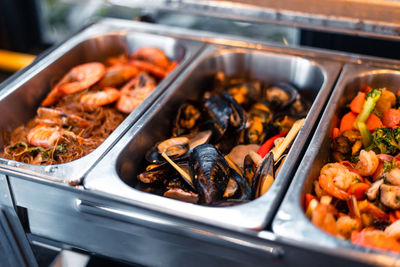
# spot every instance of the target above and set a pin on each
(357, 103)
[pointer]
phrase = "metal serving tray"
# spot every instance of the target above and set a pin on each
(116, 173)
(21, 97)
(290, 221)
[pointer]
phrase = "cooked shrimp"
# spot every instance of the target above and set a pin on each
(118, 74)
(151, 68)
(135, 92)
(77, 79)
(335, 179)
(368, 163)
(152, 55)
(323, 216)
(345, 225)
(375, 239)
(100, 97)
(43, 136)
(53, 117)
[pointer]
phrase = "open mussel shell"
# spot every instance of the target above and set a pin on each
(265, 171)
(280, 95)
(260, 119)
(187, 119)
(245, 92)
(173, 147)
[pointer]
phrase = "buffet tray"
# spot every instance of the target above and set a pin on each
(116, 173)
(22, 95)
(290, 221)
(113, 225)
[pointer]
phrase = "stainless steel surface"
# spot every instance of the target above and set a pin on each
(118, 169)
(21, 97)
(290, 222)
(377, 18)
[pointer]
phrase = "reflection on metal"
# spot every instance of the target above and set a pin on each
(371, 18)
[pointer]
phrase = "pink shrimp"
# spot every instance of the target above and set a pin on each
(100, 97)
(135, 92)
(335, 179)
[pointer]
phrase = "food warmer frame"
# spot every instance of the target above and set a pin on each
(61, 213)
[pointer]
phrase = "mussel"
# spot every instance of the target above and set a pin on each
(187, 119)
(222, 112)
(210, 172)
(260, 118)
(262, 178)
(280, 95)
(173, 147)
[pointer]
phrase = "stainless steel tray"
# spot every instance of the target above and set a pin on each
(290, 222)
(313, 77)
(21, 97)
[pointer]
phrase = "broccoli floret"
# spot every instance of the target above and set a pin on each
(385, 140)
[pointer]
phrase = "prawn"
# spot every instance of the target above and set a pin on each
(368, 163)
(335, 179)
(51, 116)
(135, 92)
(100, 97)
(48, 136)
(323, 216)
(152, 55)
(77, 79)
(375, 239)
(118, 74)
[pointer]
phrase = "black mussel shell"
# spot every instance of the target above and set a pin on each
(249, 169)
(238, 116)
(243, 191)
(187, 119)
(210, 171)
(266, 167)
(280, 95)
(218, 111)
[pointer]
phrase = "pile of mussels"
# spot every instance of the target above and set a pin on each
(212, 139)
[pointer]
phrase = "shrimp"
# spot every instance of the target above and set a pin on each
(118, 74)
(368, 163)
(135, 92)
(335, 179)
(375, 239)
(100, 97)
(393, 176)
(323, 216)
(77, 79)
(152, 55)
(345, 225)
(151, 68)
(45, 136)
(51, 116)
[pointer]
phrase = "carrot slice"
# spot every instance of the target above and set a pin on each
(335, 132)
(373, 122)
(391, 117)
(347, 122)
(358, 190)
(357, 103)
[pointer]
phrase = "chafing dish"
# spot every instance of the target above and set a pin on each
(118, 169)
(290, 221)
(21, 97)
